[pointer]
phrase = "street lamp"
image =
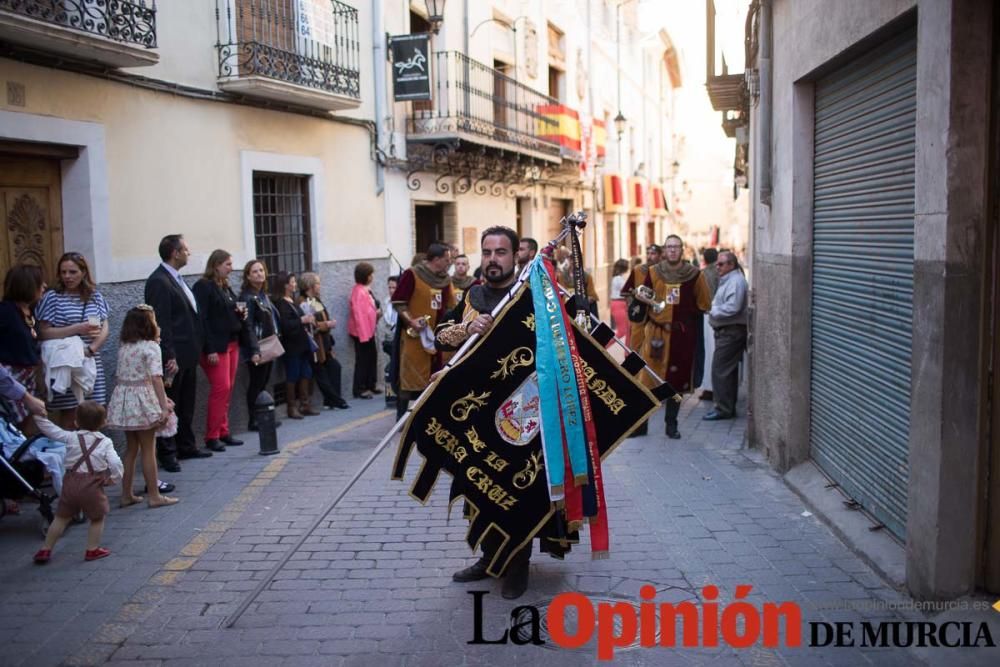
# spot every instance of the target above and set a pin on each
(435, 14)
(620, 124)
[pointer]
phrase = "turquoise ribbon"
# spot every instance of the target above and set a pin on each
(556, 377)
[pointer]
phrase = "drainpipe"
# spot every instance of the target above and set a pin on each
(465, 34)
(381, 104)
(765, 108)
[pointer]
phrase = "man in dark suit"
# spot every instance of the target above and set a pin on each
(181, 342)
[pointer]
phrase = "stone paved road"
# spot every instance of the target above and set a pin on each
(372, 585)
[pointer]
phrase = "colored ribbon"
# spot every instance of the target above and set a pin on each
(556, 377)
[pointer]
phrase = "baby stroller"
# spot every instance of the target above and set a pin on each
(21, 478)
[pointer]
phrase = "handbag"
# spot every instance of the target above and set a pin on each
(270, 348)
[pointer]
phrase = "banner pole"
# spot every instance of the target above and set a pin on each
(618, 340)
(569, 222)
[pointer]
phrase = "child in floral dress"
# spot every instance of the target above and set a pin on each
(139, 405)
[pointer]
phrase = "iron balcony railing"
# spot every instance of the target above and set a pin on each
(469, 97)
(313, 43)
(127, 21)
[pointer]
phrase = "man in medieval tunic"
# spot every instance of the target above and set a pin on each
(670, 336)
(472, 316)
(462, 279)
(424, 294)
(637, 309)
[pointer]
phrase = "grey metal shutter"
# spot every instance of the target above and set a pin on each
(862, 292)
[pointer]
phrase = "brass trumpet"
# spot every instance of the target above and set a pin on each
(648, 297)
(413, 333)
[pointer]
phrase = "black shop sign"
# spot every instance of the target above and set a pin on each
(411, 69)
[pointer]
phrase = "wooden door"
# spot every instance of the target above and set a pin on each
(31, 211)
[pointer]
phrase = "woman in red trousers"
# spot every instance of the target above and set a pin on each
(222, 323)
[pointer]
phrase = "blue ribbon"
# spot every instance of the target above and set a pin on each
(556, 377)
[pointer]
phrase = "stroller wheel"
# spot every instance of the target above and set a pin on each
(43, 524)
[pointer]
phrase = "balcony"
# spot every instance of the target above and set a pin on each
(478, 105)
(301, 52)
(116, 33)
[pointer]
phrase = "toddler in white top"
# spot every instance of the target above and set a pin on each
(91, 464)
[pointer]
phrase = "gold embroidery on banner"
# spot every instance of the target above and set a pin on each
(474, 439)
(496, 462)
(519, 358)
(493, 491)
(601, 390)
(469, 403)
(446, 440)
(526, 477)
(529, 321)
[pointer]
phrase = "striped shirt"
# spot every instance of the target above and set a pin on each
(62, 309)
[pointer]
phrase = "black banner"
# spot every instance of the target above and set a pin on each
(411, 66)
(481, 421)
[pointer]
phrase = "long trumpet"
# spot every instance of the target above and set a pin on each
(648, 297)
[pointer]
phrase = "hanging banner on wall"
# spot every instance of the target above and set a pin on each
(411, 68)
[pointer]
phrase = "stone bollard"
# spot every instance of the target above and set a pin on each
(263, 411)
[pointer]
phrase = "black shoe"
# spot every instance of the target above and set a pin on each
(715, 416)
(515, 582)
(475, 572)
(194, 454)
(215, 445)
(673, 433)
(170, 465)
(231, 441)
(342, 405)
(165, 487)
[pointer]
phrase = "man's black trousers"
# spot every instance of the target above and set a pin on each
(183, 392)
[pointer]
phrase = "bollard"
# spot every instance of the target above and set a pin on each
(263, 412)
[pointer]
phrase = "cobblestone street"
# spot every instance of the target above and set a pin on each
(372, 585)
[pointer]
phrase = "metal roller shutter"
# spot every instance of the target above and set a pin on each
(862, 293)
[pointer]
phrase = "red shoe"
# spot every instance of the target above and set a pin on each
(43, 556)
(96, 554)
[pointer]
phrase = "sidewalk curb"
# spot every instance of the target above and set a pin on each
(877, 549)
